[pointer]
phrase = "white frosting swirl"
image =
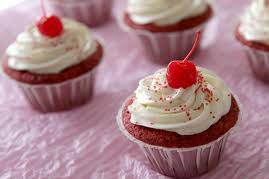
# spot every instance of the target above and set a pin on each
(184, 111)
(255, 22)
(164, 12)
(36, 53)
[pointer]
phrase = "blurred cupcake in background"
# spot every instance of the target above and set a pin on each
(54, 63)
(253, 34)
(90, 12)
(166, 29)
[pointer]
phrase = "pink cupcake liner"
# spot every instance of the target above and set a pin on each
(182, 162)
(259, 63)
(175, 163)
(60, 96)
(90, 12)
(164, 46)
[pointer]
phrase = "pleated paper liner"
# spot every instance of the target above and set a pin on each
(162, 47)
(90, 12)
(59, 96)
(259, 62)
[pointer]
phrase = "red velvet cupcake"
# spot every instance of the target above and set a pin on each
(166, 29)
(252, 33)
(53, 63)
(181, 117)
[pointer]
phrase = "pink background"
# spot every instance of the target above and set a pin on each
(85, 142)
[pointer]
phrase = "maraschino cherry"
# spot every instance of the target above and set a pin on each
(49, 26)
(183, 74)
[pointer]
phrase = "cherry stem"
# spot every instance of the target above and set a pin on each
(195, 45)
(43, 9)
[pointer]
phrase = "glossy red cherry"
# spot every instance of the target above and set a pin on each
(50, 26)
(183, 74)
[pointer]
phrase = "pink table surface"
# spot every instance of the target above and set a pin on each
(85, 142)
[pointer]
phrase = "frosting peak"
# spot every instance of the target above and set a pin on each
(184, 111)
(255, 22)
(36, 53)
(164, 12)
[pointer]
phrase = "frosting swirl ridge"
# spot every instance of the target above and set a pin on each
(164, 12)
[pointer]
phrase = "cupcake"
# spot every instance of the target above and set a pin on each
(90, 12)
(53, 63)
(166, 29)
(181, 117)
(253, 35)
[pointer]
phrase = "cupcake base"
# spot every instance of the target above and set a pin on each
(259, 63)
(161, 48)
(163, 44)
(258, 56)
(179, 160)
(90, 12)
(188, 163)
(59, 97)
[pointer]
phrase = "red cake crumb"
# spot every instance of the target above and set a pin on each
(180, 26)
(173, 140)
(252, 44)
(69, 73)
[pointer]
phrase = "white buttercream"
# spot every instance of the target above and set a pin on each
(254, 24)
(184, 111)
(164, 12)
